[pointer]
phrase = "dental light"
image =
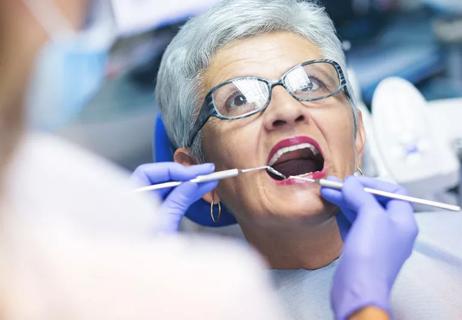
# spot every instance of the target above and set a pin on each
(411, 142)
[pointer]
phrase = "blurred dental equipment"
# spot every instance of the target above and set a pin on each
(454, 6)
(339, 185)
(219, 175)
(414, 140)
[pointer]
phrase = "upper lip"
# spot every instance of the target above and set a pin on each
(293, 141)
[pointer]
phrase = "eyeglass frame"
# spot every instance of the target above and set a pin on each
(208, 108)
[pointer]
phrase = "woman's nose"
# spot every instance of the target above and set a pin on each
(284, 110)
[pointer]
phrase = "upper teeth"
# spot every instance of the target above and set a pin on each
(282, 151)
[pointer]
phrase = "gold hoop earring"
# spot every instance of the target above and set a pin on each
(212, 213)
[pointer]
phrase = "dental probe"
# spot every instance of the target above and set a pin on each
(219, 175)
(339, 185)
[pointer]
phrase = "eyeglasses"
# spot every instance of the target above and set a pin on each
(242, 97)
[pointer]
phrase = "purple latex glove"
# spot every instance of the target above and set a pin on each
(175, 200)
(380, 239)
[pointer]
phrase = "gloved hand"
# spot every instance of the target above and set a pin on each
(380, 239)
(176, 201)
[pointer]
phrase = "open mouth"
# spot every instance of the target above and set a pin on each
(295, 157)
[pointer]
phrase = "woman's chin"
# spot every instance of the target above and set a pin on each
(284, 204)
(306, 210)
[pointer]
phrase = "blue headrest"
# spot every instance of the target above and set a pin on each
(199, 212)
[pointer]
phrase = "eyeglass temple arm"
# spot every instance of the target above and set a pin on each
(205, 113)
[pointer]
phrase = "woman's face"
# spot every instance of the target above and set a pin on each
(287, 126)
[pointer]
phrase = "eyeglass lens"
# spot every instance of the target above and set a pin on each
(246, 95)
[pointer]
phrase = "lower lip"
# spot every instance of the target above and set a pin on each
(313, 175)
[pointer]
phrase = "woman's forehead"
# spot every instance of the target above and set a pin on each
(267, 55)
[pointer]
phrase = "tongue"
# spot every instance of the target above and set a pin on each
(296, 167)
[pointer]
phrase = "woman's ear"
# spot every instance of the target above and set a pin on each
(360, 138)
(183, 156)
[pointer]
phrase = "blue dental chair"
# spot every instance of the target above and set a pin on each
(199, 212)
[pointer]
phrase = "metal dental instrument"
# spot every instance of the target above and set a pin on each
(219, 175)
(391, 195)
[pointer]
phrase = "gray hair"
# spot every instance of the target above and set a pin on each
(178, 89)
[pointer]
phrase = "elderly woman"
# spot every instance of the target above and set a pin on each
(257, 82)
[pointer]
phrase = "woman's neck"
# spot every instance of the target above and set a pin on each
(296, 246)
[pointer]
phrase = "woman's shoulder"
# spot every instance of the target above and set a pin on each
(440, 230)
(429, 284)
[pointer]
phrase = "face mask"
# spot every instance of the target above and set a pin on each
(69, 69)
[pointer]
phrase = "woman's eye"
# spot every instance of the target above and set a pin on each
(236, 100)
(313, 85)
(308, 87)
